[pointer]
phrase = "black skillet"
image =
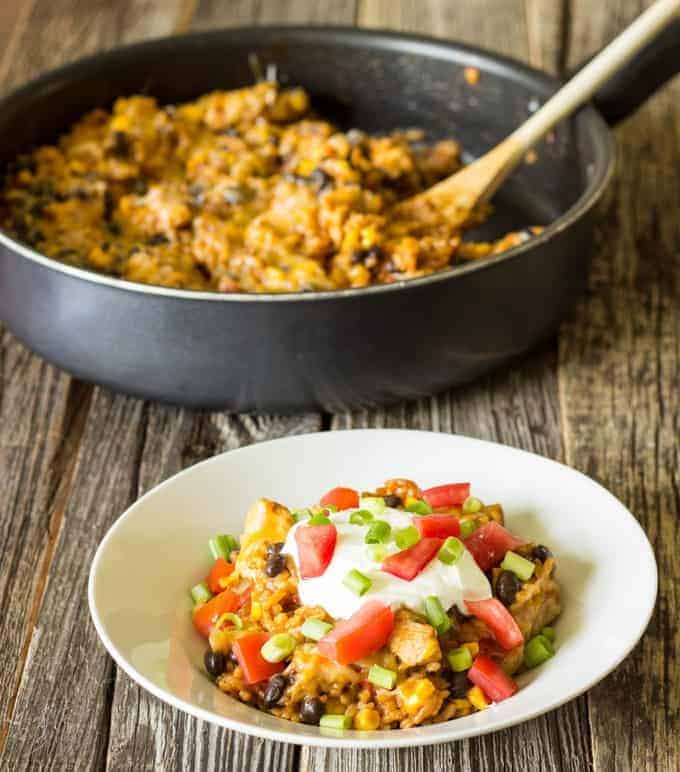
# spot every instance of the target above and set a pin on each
(330, 350)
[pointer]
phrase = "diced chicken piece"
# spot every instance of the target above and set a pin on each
(414, 642)
(266, 522)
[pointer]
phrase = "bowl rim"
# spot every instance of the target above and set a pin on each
(384, 39)
(351, 739)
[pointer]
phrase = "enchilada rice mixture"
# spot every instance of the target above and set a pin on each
(380, 610)
(237, 191)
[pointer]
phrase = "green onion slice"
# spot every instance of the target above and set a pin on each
(378, 532)
(278, 647)
(361, 517)
(418, 507)
(382, 677)
(549, 633)
(460, 659)
(451, 551)
(315, 628)
(319, 519)
(374, 504)
(376, 552)
(466, 527)
(228, 616)
(200, 593)
(335, 721)
(301, 514)
(330, 507)
(357, 582)
(471, 505)
(537, 651)
(436, 615)
(406, 537)
(520, 566)
(222, 546)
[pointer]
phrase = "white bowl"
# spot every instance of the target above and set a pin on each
(157, 550)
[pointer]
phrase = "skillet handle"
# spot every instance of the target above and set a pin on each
(649, 69)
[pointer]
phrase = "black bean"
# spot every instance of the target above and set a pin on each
(232, 657)
(321, 179)
(274, 691)
(311, 710)
(274, 565)
(507, 587)
(215, 663)
(392, 501)
(115, 229)
(157, 239)
(109, 205)
(120, 144)
(540, 552)
(37, 209)
(274, 548)
(459, 684)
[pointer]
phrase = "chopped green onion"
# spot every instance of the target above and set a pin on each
(300, 514)
(235, 619)
(200, 593)
(451, 551)
(406, 537)
(376, 552)
(382, 677)
(378, 532)
(361, 517)
(335, 721)
(549, 633)
(520, 566)
(471, 505)
(418, 507)
(222, 546)
(467, 527)
(374, 504)
(537, 651)
(357, 582)
(436, 615)
(315, 629)
(278, 647)
(319, 519)
(460, 659)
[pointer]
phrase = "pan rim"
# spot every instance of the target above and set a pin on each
(593, 191)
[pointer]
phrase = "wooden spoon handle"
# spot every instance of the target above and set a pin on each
(587, 81)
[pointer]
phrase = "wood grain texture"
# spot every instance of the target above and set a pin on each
(619, 364)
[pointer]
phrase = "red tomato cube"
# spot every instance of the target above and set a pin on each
(408, 563)
(342, 498)
(364, 633)
(451, 495)
(491, 679)
(489, 543)
(316, 545)
(439, 526)
(499, 620)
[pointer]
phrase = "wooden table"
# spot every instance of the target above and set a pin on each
(602, 396)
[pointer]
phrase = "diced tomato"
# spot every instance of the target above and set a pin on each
(489, 543)
(451, 495)
(408, 563)
(498, 619)
(255, 667)
(342, 498)
(364, 633)
(205, 615)
(220, 570)
(439, 526)
(491, 679)
(316, 545)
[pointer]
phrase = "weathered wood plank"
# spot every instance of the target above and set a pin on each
(145, 733)
(518, 407)
(619, 365)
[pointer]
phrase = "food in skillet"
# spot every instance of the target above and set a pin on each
(381, 611)
(237, 191)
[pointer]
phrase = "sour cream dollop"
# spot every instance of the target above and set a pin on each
(451, 584)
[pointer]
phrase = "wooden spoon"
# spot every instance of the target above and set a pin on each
(455, 197)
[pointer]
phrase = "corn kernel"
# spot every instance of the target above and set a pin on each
(472, 647)
(368, 237)
(255, 610)
(305, 168)
(416, 693)
(367, 719)
(120, 123)
(478, 698)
